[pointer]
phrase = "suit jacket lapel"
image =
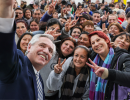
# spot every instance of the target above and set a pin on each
(31, 71)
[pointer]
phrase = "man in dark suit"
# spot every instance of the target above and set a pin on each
(19, 74)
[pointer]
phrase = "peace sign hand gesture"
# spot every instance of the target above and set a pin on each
(53, 33)
(51, 8)
(58, 67)
(104, 29)
(97, 69)
(78, 12)
(104, 17)
(69, 24)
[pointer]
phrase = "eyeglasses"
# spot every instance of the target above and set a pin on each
(52, 28)
(37, 13)
(18, 13)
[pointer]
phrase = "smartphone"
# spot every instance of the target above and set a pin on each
(16, 16)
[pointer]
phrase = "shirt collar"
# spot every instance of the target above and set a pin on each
(35, 71)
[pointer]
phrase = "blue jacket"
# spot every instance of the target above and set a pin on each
(100, 24)
(17, 77)
(46, 17)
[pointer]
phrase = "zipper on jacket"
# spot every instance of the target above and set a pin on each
(124, 67)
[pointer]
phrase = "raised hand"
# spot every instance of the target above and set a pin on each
(53, 33)
(69, 24)
(78, 12)
(88, 9)
(104, 29)
(6, 8)
(113, 45)
(58, 67)
(104, 17)
(51, 8)
(73, 23)
(98, 70)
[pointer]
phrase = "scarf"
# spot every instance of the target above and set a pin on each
(68, 82)
(120, 20)
(98, 85)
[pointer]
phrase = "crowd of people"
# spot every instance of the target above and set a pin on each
(57, 50)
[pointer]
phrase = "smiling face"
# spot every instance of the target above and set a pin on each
(34, 26)
(55, 15)
(89, 28)
(96, 17)
(122, 42)
(24, 42)
(19, 13)
(82, 20)
(114, 30)
(28, 14)
(99, 45)
(112, 19)
(20, 28)
(76, 33)
(40, 52)
(80, 57)
(84, 40)
(67, 47)
(37, 14)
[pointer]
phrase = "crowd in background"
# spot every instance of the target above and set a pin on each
(98, 31)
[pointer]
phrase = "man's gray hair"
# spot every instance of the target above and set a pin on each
(120, 11)
(36, 38)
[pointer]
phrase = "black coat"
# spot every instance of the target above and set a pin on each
(120, 76)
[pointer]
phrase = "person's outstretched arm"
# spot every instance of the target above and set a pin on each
(8, 51)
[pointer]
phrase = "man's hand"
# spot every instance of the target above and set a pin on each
(6, 8)
(104, 29)
(104, 17)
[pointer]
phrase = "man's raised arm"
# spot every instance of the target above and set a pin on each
(8, 52)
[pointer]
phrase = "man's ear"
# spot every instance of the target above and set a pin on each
(29, 47)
